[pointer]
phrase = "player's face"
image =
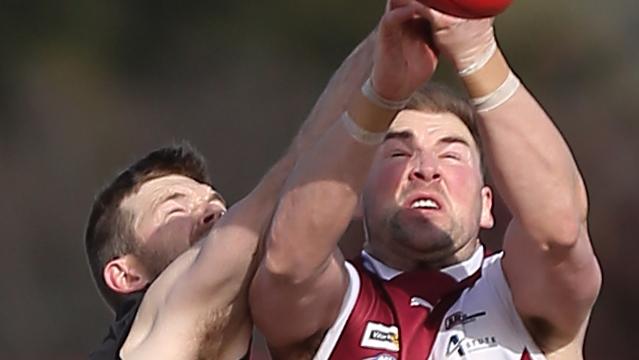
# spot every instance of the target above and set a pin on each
(170, 214)
(425, 194)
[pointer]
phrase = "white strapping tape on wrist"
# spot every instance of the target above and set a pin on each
(504, 92)
(369, 91)
(359, 134)
(479, 63)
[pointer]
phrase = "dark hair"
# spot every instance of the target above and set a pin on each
(438, 98)
(109, 233)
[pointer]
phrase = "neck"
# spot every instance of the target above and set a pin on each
(409, 261)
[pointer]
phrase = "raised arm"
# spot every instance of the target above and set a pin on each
(298, 289)
(548, 259)
(223, 263)
(206, 288)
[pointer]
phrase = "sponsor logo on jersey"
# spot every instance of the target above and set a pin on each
(417, 301)
(463, 345)
(460, 318)
(380, 336)
(381, 357)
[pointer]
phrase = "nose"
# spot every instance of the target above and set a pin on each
(207, 211)
(210, 212)
(424, 167)
(209, 205)
(204, 215)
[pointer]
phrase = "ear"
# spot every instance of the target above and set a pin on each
(486, 220)
(123, 275)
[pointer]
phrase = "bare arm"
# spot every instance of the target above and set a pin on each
(549, 262)
(204, 291)
(299, 287)
(223, 265)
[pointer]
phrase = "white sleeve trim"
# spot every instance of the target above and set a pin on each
(494, 273)
(350, 298)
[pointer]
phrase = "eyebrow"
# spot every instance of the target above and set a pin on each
(400, 135)
(170, 196)
(454, 140)
(406, 135)
(177, 195)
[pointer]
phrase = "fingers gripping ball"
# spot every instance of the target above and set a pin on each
(469, 8)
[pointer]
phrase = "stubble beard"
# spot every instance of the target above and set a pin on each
(155, 261)
(428, 243)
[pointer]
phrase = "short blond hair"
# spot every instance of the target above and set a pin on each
(438, 98)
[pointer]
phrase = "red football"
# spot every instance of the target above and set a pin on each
(469, 8)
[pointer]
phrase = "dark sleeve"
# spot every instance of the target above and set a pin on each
(119, 330)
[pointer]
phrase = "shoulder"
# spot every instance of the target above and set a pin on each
(484, 319)
(493, 286)
(119, 329)
(492, 295)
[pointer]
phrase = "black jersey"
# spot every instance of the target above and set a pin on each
(119, 329)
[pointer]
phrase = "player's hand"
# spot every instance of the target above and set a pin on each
(403, 58)
(463, 41)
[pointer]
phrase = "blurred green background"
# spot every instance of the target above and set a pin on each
(87, 87)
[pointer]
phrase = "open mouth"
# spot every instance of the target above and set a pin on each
(424, 201)
(425, 204)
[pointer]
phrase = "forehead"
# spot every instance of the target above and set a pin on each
(427, 127)
(158, 187)
(168, 182)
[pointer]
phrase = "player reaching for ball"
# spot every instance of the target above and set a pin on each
(424, 288)
(176, 301)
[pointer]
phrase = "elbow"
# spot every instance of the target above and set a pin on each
(572, 246)
(588, 287)
(283, 259)
(594, 278)
(565, 234)
(298, 250)
(595, 283)
(565, 221)
(289, 265)
(282, 269)
(287, 274)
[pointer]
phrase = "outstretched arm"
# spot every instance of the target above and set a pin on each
(208, 284)
(548, 259)
(299, 287)
(223, 263)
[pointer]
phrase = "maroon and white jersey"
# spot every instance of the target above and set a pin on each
(464, 311)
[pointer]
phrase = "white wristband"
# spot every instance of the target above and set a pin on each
(479, 63)
(369, 91)
(359, 134)
(496, 98)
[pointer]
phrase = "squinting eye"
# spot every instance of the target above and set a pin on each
(398, 154)
(452, 155)
(174, 211)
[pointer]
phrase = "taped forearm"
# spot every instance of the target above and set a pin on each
(491, 82)
(528, 158)
(321, 194)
